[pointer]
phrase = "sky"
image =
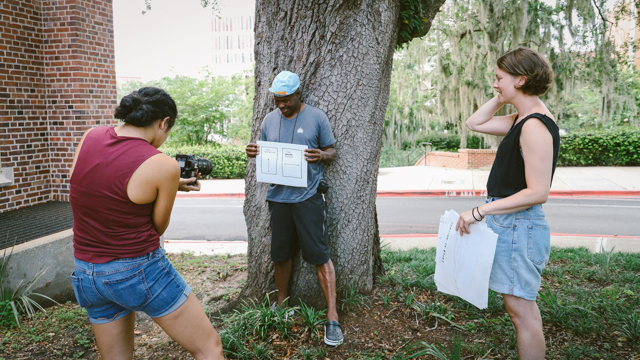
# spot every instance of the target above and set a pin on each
(174, 38)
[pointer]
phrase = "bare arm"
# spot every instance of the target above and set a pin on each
(537, 151)
(483, 120)
(167, 182)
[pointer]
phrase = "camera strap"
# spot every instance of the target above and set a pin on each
(293, 132)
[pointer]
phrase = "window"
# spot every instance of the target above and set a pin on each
(251, 57)
(241, 22)
(226, 22)
(214, 25)
(227, 58)
(242, 57)
(239, 42)
(227, 42)
(236, 58)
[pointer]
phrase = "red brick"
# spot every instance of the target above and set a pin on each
(43, 73)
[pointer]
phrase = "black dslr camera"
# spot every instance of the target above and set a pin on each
(191, 165)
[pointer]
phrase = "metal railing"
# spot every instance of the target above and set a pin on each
(411, 158)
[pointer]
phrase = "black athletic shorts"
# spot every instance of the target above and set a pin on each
(300, 224)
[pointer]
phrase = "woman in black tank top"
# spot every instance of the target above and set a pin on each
(519, 182)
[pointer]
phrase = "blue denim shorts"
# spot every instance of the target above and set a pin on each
(112, 290)
(524, 243)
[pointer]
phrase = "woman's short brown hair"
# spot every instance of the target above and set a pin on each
(531, 64)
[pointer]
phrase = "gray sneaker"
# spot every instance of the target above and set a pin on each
(274, 308)
(333, 333)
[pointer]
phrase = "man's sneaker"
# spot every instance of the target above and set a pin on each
(333, 333)
(274, 308)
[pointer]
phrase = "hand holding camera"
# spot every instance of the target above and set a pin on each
(192, 167)
(186, 185)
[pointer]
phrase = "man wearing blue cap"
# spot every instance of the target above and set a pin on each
(298, 214)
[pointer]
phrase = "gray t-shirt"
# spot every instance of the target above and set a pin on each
(312, 129)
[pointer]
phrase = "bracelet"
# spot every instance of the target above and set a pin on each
(478, 209)
(474, 215)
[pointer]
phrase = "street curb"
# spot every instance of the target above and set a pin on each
(224, 196)
(595, 243)
(406, 236)
(447, 193)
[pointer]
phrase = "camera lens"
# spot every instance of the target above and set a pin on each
(204, 166)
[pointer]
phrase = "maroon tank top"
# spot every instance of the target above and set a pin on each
(106, 224)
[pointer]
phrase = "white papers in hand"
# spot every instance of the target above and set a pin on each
(463, 263)
(280, 163)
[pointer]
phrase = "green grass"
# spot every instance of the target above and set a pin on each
(590, 306)
(66, 320)
(311, 317)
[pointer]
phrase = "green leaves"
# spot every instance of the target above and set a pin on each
(210, 108)
(229, 162)
(614, 147)
(17, 301)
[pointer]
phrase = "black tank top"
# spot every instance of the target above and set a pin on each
(507, 173)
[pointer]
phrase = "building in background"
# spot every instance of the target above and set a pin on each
(233, 39)
(58, 79)
(626, 33)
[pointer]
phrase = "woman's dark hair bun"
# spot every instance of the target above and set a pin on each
(144, 106)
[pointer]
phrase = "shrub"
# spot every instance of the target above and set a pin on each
(612, 147)
(229, 162)
(391, 156)
(447, 142)
(441, 142)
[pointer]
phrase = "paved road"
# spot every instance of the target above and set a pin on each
(222, 219)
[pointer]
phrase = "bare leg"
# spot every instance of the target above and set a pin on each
(525, 315)
(115, 339)
(283, 274)
(190, 327)
(327, 278)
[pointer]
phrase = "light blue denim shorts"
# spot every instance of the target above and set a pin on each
(524, 243)
(112, 290)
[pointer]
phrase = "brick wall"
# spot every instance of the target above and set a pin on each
(463, 159)
(57, 79)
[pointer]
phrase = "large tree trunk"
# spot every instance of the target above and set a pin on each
(343, 52)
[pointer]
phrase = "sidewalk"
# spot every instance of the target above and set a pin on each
(594, 244)
(438, 181)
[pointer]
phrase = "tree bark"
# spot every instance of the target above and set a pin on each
(343, 53)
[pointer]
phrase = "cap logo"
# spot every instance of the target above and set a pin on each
(280, 92)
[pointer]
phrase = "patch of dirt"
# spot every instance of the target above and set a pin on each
(374, 329)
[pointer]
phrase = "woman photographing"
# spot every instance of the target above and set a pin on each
(122, 192)
(519, 182)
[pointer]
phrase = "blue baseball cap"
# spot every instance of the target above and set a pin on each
(285, 83)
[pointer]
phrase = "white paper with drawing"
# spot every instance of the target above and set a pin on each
(282, 164)
(463, 263)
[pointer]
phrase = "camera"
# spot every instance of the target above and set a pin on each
(190, 165)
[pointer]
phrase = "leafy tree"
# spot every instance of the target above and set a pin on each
(210, 109)
(594, 82)
(343, 51)
(203, 106)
